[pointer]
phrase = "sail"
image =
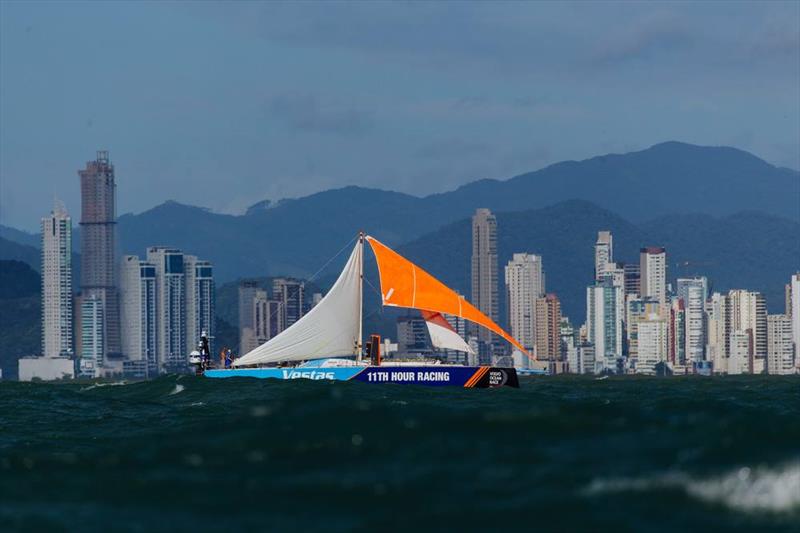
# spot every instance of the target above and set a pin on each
(443, 336)
(404, 284)
(331, 328)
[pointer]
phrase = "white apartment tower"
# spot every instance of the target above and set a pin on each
(603, 253)
(57, 283)
(524, 278)
(780, 347)
(138, 313)
(653, 344)
(170, 308)
(694, 293)
(746, 314)
(484, 272)
(653, 272)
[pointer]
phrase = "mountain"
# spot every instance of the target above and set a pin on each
(14, 251)
(19, 236)
(664, 179)
(745, 250)
(296, 236)
(20, 314)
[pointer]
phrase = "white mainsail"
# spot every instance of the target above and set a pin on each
(332, 328)
(442, 334)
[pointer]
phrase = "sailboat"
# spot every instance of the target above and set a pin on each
(326, 343)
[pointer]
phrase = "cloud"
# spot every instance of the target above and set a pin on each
(304, 112)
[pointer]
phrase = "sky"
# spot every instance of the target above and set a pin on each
(225, 104)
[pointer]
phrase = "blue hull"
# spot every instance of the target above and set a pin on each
(431, 375)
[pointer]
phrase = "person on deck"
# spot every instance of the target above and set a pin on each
(228, 359)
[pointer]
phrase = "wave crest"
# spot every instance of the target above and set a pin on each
(760, 489)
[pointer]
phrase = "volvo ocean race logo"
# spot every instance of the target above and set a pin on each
(307, 374)
(497, 377)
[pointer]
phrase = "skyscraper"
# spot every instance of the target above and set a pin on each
(548, 328)
(604, 310)
(603, 253)
(746, 314)
(694, 293)
(677, 334)
(636, 310)
(290, 293)
(92, 337)
(780, 347)
(200, 300)
(632, 278)
(57, 283)
(170, 308)
(484, 277)
(716, 336)
(98, 246)
(138, 316)
(653, 268)
(248, 340)
(795, 314)
(652, 350)
(524, 279)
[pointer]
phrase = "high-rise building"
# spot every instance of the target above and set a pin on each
(716, 335)
(632, 273)
(604, 321)
(548, 328)
(603, 253)
(261, 318)
(200, 301)
(98, 246)
(57, 283)
(616, 272)
(787, 302)
(460, 326)
(746, 314)
(524, 279)
(653, 268)
(92, 340)
(652, 349)
(138, 315)
(795, 314)
(290, 293)
(484, 277)
(694, 293)
(412, 335)
(780, 347)
(170, 308)
(677, 334)
(740, 348)
(636, 310)
(248, 339)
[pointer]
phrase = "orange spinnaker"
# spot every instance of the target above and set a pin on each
(404, 284)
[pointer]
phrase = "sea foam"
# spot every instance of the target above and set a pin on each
(759, 489)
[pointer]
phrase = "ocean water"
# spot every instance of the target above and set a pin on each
(560, 454)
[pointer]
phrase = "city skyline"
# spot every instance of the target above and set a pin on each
(636, 320)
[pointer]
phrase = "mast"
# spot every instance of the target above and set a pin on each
(360, 296)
